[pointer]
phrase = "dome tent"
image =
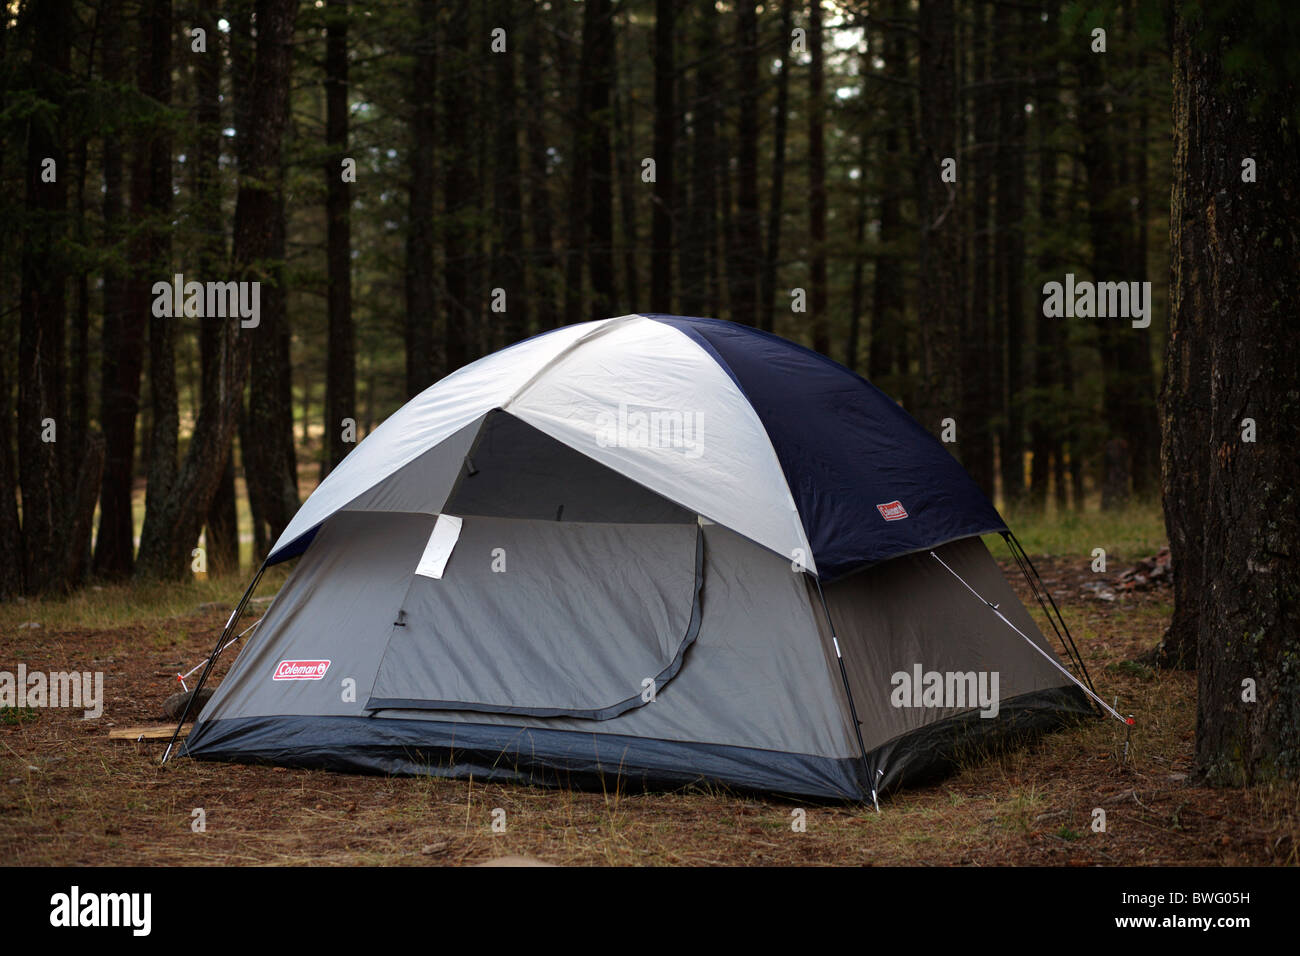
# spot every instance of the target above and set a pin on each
(651, 547)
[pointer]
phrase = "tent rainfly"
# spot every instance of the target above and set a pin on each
(652, 548)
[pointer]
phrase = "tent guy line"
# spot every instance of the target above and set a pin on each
(1055, 663)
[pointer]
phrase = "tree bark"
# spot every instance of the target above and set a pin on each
(767, 306)
(508, 265)
(270, 462)
(665, 146)
(341, 363)
(255, 242)
(979, 389)
(1049, 345)
(122, 353)
(886, 356)
(221, 533)
(421, 305)
(460, 189)
(1009, 214)
(1231, 357)
(543, 276)
(745, 254)
(940, 310)
(155, 77)
(699, 282)
(41, 347)
(11, 564)
(629, 179)
(818, 299)
(598, 41)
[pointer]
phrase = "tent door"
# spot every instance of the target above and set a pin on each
(546, 619)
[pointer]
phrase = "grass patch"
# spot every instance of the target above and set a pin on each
(116, 605)
(1135, 531)
(1132, 669)
(14, 716)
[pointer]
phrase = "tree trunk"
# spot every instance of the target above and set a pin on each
(543, 275)
(629, 178)
(940, 311)
(980, 390)
(1049, 345)
(887, 348)
(857, 295)
(341, 364)
(41, 347)
(1232, 357)
(11, 565)
(155, 78)
(699, 288)
(745, 248)
(665, 146)
(221, 525)
(270, 462)
(255, 242)
(508, 264)
(818, 298)
(79, 346)
(767, 306)
(122, 354)
(577, 157)
(460, 189)
(1010, 256)
(598, 42)
(420, 298)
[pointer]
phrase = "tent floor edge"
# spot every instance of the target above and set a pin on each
(938, 750)
(530, 756)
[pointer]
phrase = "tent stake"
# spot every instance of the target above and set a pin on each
(212, 659)
(844, 676)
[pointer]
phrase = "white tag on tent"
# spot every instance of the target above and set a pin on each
(446, 532)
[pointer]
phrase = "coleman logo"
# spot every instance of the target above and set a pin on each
(892, 511)
(301, 670)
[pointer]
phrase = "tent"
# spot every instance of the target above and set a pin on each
(651, 548)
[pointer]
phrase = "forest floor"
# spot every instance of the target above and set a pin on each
(70, 795)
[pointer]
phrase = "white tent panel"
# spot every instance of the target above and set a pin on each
(429, 418)
(644, 399)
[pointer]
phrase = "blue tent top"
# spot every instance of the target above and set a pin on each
(848, 451)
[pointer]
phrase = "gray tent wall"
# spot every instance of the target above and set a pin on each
(748, 689)
(755, 704)
(911, 611)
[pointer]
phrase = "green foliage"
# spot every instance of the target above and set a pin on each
(1136, 531)
(17, 716)
(1257, 41)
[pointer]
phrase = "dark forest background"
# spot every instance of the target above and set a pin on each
(796, 185)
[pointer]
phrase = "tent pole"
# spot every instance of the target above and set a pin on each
(212, 659)
(848, 691)
(1030, 641)
(1041, 587)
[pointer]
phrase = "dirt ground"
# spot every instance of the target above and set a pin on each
(70, 795)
